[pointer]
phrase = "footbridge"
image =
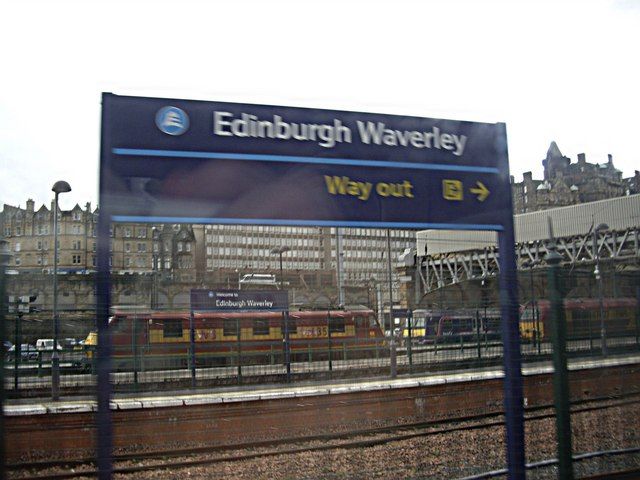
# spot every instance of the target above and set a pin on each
(603, 231)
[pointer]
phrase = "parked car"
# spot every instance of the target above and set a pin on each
(27, 352)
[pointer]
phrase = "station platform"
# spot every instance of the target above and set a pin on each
(287, 391)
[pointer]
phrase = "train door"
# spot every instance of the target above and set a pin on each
(530, 323)
(125, 340)
(362, 326)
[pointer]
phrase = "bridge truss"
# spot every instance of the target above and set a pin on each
(441, 270)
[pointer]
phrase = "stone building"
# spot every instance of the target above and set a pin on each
(213, 255)
(567, 183)
(134, 247)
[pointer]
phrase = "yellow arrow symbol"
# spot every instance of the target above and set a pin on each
(482, 192)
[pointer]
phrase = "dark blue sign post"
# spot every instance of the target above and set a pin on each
(187, 161)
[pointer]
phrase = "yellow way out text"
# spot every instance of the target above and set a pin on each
(362, 190)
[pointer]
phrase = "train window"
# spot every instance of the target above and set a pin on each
(120, 324)
(230, 327)
(579, 322)
(336, 325)
(260, 326)
(172, 328)
(293, 326)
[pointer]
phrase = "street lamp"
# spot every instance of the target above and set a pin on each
(59, 187)
(5, 257)
(597, 273)
(280, 251)
(154, 268)
(534, 305)
(285, 318)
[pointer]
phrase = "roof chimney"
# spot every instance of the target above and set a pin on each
(582, 158)
(610, 159)
(30, 204)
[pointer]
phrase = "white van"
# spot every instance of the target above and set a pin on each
(46, 344)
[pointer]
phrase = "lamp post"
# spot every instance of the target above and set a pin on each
(5, 256)
(287, 358)
(154, 269)
(392, 342)
(59, 187)
(597, 273)
(280, 251)
(534, 303)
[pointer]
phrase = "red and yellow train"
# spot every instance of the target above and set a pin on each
(152, 340)
(582, 316)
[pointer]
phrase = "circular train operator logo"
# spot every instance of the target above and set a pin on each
(172, 120)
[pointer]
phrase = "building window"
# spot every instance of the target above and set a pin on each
(17, 246)
(77, 216)
(7, 231)
(184, 262)
(127, 232)
(127, 247)
(142, 247)
(18, 260)
(18, 231)
(76, 259)
(77, 245)
(142, 232)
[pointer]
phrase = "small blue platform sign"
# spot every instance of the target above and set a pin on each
(169, 160)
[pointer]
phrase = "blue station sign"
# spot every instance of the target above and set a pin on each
(237, 300)
(169, 160)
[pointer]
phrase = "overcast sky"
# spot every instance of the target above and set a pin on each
(563, 71)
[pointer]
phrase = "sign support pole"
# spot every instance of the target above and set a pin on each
(513, 397)
(104, 441)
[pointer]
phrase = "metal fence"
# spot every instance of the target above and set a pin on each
(427, 340)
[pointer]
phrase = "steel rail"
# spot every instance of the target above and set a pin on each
(478, 418)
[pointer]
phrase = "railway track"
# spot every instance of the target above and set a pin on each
(134, 463)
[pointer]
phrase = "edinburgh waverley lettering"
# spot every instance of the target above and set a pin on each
(242, 304)
(328, 135)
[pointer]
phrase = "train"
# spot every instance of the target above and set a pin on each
(157, 340)
(582, 316)
(434, 325)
